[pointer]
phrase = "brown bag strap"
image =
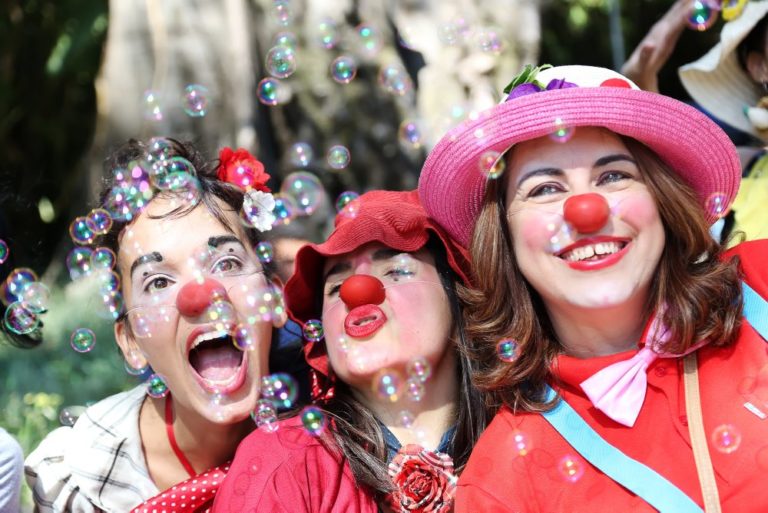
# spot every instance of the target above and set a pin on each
(698, 436)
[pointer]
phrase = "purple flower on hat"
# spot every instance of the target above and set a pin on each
(559, 83)
(523, 90)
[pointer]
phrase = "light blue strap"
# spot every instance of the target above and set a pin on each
(755, 310)
(631, 474)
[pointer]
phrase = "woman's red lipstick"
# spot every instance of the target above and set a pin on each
(363, 321)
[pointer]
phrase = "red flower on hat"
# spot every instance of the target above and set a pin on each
(424, 481)
(240, 168)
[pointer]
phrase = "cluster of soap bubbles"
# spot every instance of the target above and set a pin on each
(419, 371)
(26, 298)
(301, 192)
(390, 384)
(85, 229)
(280, 388)
(194, 101)
(279, 392)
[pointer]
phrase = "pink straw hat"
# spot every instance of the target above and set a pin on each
(555, 101)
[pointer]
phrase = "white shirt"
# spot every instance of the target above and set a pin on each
(97, 464)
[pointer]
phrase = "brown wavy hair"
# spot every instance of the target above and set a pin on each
(701, 291)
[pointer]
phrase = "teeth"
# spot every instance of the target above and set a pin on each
(586, 252)
(211, 335)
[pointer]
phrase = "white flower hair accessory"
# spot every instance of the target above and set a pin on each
(258, 209)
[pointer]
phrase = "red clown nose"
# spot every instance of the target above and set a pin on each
(362, 289)
(587, 213)
(195, 297)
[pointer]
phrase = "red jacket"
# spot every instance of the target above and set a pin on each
(289, 471)
(521, 464)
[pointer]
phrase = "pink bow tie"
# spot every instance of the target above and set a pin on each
(619, 389)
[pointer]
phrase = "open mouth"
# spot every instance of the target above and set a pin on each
(592, 252)
(593, 255)
(363, 321)
(217, 364)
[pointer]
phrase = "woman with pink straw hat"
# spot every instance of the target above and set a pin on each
(624, 349)
(395, 414)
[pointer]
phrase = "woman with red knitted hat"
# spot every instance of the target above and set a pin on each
(395, 413)
(624, 348)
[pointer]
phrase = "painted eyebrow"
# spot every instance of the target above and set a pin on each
(145, 259)
(554, 171)
(378, 255)
(218, 240)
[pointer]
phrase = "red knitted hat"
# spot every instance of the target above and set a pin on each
(395, 219)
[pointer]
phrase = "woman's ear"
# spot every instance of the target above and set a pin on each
(133, 355)
(280, 316)
(757, 67)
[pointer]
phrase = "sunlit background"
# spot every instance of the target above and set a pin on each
(353, 92)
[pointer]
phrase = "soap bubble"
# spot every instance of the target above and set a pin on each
(305, 189)
(280, 62)
(265, 416)
(388, 384)
(156, 387)
(194, 101)
(726, 438)
(395, 81)
(338, 157)
(313, 420)
(300, 154)
(313, 330)
(344, 199)
(19, 320)
(80, 232)
(82, 340)
(280, 388)
(343, 69)
(35, 297)
(508, 350)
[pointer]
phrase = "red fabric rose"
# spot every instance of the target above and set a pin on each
(240, 168)
(424, 481)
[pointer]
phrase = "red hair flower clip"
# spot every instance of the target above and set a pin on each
(240, 168)
(424, 481)
(245, 171)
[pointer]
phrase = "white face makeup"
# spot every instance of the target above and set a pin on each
(412, 321)
(606, 267)
(189, 342)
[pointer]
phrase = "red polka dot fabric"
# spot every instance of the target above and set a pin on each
(195, 494)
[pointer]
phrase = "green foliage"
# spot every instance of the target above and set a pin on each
(528, 75)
